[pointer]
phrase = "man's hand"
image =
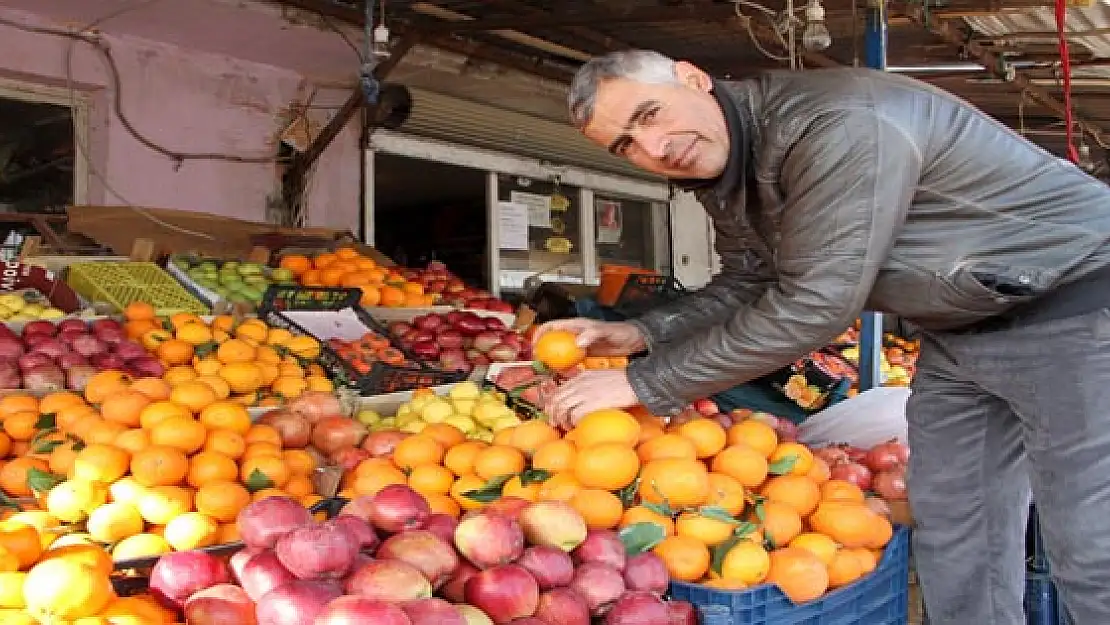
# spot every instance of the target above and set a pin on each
(600, 338)
(589, 391)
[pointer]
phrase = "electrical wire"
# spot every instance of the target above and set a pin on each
(1065, 68)
(747, 19)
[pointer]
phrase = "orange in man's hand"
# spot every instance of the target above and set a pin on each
(558, 350)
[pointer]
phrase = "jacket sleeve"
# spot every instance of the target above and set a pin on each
(847, 183)
(742, 279)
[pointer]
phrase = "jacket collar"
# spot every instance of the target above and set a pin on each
(739, 127)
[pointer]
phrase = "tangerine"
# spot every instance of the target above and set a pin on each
(208, 466)
(819, 544)
(159, 465)
(101, 463)
(555, 456)
(417, 450)
(608, 466)
(844, 568)
(641, 514)
(196, 396)
(124, 407)
(708, 436)
(599, 508)
(712, 532)
(687, 559)
(797, 491)
(799, 574)
(742, 463)
(226, 415)
(184, 433)
(726, 493)
(796, 454)
(558, 350)
(460, 458)
(746, 562)
(222, 500)
(496, 460)
(755, 434)
(680, 482)
(668, 445)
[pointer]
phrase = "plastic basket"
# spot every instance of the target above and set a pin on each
(642, 292)
(119, 284)
(382, 378)
(881, 598)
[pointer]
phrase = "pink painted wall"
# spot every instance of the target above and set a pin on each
(187, 101)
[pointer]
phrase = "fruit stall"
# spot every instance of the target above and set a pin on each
(318, 437)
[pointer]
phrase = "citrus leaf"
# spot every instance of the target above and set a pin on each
(42, 481)
(662, 509)
(720, 551)
(641, 537)
(7, 502)
(539, 367)
(46, 422)
(534, 476)
(769, 543)
(745, 529)
(627, 495)
(45, 447)
(78, 444)
(784, 466)
(257, 481)
(206, 349)
(666, 502)
(760, 513)
(717, 514)
(491, 491)
(167, 325)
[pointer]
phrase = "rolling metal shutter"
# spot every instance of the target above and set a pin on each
(464, 122)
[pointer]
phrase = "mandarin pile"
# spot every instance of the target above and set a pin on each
(345, 267)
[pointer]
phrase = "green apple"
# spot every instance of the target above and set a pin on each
(368, 417)
(282, 275)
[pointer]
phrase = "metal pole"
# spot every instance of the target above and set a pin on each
(871, 323)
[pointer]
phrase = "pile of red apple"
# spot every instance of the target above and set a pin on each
(437, 279)
(388, 560)
(880, 469)
(50, 357)
(460, 340)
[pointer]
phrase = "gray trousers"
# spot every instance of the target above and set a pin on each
(990, 416)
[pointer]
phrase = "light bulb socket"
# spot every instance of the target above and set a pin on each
(815, 12)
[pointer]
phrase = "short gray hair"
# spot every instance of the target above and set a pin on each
(646, 66)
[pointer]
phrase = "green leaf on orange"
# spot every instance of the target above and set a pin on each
(641, 537)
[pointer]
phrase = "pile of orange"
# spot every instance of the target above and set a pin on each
(768, 507)
(241, 360)
(142, 467)
(345, 267)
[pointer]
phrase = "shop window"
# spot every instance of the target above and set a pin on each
(36, 157)
(539, 230)
(632, 232)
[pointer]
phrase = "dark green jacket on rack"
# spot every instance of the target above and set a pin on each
(852, 189)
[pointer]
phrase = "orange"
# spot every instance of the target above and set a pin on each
(867, 559)
(798, 492)
(463, 485)
(444, 434)
(819, 472)
(780, 522)
(53, 402)
(559, 487)
(311, 278)
(607, 426)
(207, 366)
(222, 500)
(299, 461)
(727, 493)
(640, 514)
(555, 456)
(155, 389)
(270, 467)
(124, 407)
(242, 377)
(743, 463)
(235, 350)
(712, 532)
(101, 463)
(746, 562)
(844, 568)
(798, 573)
(132, 440)
(209, 466)
(253, 330)
(105, 383)
(159, 465)
(92, 556)
(194, 334)
(184, 433)
(139, 327)
(608, 466)
(226, 442)
(21, 541)
(850, 524)
(304, 347)
(516, 487)
(299, 486)
(707, 435)
(373, 481)
(667, 446)
(138, 311)
(796, 454)
(530, 435)
(158, 411)
(295, 263)
(391, 296)
(68, 416)
(179, 374)
(20, 426)
(417, 450)
(226, 415)
(18, 402)
(680, 482)
(104, 433)
(13, 475)
(61, 459)
(558, 350)
(755, 434)
(841, 490)
(371, 296)
(195, 396)
(181, 319)
(687, 559)
(175, 352)
(431, 479)
(59, 590)
(497, 460)
(818, 544)
(217, 384)
(289, 387)
(600, 509)
(444, 504)
(371, 465)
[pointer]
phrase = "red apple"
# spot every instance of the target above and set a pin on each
(359, 529)
(473, 615)
(681, 613)
(324, 551)
(355, 610)
(602, 547)
(429, 553)
(564, 606)
(263, 522)
(239, 559)
(433, 612)
(388, 580)
(706, 407)
(553, 523)
(219, 605)
(637, 607)
(261, 573)
(551, 566)
(397, 508)
(599, 584)
(296, 603)
(178, 575)
(504, 592)
(646, 571)
(442, 525)
(489, 540)
(455, 588)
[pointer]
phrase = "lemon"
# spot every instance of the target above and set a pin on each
(464, 406)
(462, 423)
(140, 546)
(465, 390)
(73, 500)
(69, 540)
(505, 422)
(45, 523)
(61, 589)
(114, 521)
(413, 427)
(191, 530)
(16, 617)
(126, 490)
(436, 411)
(11, 590)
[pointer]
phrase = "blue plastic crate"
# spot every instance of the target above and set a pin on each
(881, 598)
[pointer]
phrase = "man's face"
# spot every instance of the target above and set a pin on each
(675, 130)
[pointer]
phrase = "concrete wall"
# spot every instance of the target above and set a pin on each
(186, 101)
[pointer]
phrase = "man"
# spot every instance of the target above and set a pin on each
(836, 191)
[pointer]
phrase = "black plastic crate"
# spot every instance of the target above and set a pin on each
(642, 292)
(381, 378)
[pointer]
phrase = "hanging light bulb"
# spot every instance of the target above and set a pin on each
(381, 41)
(816, 35)
(1085, 162)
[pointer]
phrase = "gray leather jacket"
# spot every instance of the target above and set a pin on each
(871, 191)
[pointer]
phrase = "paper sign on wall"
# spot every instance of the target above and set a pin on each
(539, 207)
(513, 225)
(610, 221)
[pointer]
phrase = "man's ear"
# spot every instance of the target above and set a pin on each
(692, 76)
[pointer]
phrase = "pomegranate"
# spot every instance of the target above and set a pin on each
(332, 433)
(852, 472)
(295, 430)
(890, 484)
(886, 456)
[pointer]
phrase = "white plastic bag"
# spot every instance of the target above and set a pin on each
(870, 418)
